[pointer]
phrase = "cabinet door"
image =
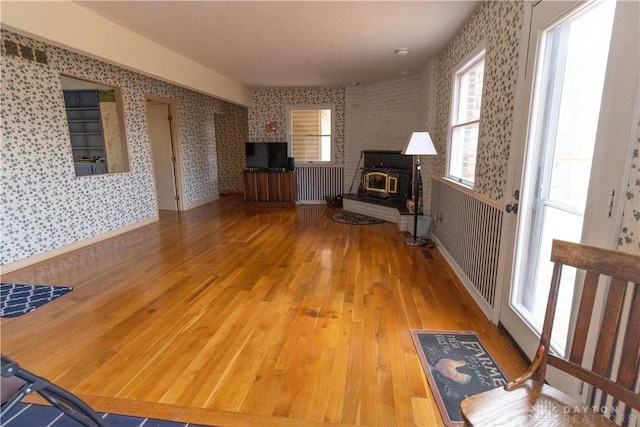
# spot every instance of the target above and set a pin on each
(250, 191)
(290, 187)
(83, 169)
(275, 186)
(263, 186)
(99, 168)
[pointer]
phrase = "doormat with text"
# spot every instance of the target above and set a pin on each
(457, 365)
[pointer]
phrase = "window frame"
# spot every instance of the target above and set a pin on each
(471, 60)
(289, 124)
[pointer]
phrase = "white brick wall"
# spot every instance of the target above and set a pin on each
(379, 116)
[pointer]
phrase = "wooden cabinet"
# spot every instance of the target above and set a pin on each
(271, 188)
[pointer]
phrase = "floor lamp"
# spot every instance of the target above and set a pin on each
(419, 144)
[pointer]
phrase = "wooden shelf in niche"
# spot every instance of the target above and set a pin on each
(85, 130)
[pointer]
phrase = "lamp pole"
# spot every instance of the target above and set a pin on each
(419, 143)
(416, 204)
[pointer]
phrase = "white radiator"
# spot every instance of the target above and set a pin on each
(316, 182)
(470, 233)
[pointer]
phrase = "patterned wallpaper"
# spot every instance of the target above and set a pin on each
(44, 205)
(231, 134)
(269, 105)
(499, 25)
(629, 240)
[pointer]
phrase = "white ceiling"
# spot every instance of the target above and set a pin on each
(296, 43)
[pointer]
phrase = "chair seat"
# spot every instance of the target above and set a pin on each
(532, 404)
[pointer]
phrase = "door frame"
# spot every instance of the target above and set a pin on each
(516, 157)
(176, 146)
(626, 91)
(624, 131)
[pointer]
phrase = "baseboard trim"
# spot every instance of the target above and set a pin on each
(25, 262)
(311, 202)
(197, 205)
(513, 341)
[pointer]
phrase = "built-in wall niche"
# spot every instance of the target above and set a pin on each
(96, 131)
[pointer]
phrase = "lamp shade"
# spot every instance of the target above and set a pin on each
(419, 144)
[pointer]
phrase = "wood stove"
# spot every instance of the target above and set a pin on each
(386, 175)
(381, 182)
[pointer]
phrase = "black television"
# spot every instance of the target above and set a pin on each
(257, 155)
(267, 155)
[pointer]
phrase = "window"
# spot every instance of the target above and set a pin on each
(465, 120)
(311, 133)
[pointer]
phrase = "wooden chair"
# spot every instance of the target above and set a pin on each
(20, 382)
(528, 401)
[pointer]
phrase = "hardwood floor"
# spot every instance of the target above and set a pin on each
(232, 315)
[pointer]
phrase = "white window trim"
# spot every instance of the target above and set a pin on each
(469, 61)
(331, 107)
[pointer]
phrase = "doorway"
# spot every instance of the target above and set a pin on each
(573, 123)
(164, 153)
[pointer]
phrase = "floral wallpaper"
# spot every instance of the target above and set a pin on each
(231, 134)
(43, 204)
(629, 240)
(269, 105)
(499, 25)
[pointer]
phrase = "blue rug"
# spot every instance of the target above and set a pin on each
(16, 300)
(27, 415)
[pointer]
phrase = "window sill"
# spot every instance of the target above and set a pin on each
(458, 183)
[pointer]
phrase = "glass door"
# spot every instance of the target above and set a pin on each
(562, 171)
(563, 127)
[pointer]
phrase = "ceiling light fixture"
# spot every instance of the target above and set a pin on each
(403, 51)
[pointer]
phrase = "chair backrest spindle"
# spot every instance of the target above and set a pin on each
(609, 327)
(630, 364)
(623, 270)
(585, 312)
